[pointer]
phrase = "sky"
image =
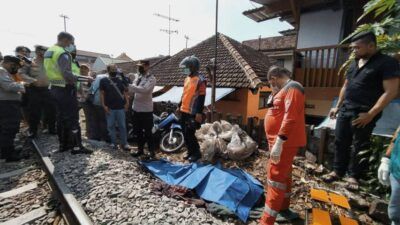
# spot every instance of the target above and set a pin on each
(130, 26)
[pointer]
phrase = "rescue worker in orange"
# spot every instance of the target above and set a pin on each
(285, 130)
(192, 105)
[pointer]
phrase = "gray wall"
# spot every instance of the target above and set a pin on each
(320, 28)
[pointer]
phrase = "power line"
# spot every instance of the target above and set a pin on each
(65, 17)
(168, 31)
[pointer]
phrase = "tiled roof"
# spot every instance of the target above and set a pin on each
(272, 43)
(238, 65)
(124, 56)
(91, 54)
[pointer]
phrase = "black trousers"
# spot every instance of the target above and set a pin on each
(68, 129)
(10, 118)
(41, 105)
(142, 125)
(346, 159)
(190, 126)
(96, 123)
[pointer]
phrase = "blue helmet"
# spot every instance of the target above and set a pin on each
(192, 63)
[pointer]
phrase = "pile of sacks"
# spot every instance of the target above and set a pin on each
(225, 140)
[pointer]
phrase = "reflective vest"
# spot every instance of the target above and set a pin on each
(76, 71)
(194, 86)
(51, 65)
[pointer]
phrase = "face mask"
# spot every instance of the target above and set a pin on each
(113, 74)
(141, 69)
(275, 89)
(70, 48)
(13, 70)
(186, 71)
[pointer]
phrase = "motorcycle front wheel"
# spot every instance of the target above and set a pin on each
(173, 144)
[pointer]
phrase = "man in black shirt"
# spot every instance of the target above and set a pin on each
(114, 99)
(372, 81)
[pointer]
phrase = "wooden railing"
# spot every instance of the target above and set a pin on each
(319, 66)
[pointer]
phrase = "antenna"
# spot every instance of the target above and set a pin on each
(65, 17)
(168, 31)
(187, 39)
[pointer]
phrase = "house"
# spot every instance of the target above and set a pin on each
(86, 57)
(124, 56)
(320, 25)
(280, 49)
(241, 74)
(101, 63)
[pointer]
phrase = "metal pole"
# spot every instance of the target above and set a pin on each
(214, 80)
(65, 25)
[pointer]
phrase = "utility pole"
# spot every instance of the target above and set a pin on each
(187, 39)
(65, 17)
(168, 31)
(214, 80)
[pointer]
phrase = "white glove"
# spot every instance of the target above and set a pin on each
(383, 171)
(276, 150)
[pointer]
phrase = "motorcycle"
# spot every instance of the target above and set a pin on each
(168, 128)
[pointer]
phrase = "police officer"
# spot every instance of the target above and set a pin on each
(10, 107)
(192, 105)
(58, 63)
(40, 100)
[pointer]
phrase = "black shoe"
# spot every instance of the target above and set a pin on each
(137, 154)
(64, 148)
(81, 150)
(52, 132)
(194, 158)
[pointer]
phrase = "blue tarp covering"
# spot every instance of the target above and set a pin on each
(386, 125)
(233, 188)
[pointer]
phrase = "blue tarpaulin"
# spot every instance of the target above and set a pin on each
(233, 188)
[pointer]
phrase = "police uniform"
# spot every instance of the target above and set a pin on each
(58, 64)
(10, 111)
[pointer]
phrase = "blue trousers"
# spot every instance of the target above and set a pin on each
(394, 204)
(116, 117)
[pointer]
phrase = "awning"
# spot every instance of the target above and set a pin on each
(174, 95)
(157, 88)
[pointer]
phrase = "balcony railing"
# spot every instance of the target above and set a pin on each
(319, 66)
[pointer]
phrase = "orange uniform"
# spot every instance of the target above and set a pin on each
(194, 92)
(285, 119)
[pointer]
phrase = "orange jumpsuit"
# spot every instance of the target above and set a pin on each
(286, 118)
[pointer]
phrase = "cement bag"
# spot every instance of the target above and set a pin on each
(251, 145)
(222, 149)
(208, 149)
(216, 127)
(227, 135)
(226, 126)
(236, 148)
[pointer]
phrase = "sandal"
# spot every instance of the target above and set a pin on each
(331, 177)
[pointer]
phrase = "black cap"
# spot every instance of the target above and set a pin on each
(365, 34)
(40, 48)
(12, 59)
(21, 48)
(143, 63)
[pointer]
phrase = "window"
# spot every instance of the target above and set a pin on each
(280, 62)
(262, 104)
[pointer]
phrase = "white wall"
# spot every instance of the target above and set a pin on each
(320, 28)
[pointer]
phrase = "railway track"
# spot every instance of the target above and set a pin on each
(31, 192)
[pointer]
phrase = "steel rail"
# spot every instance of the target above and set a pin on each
(71, 209)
